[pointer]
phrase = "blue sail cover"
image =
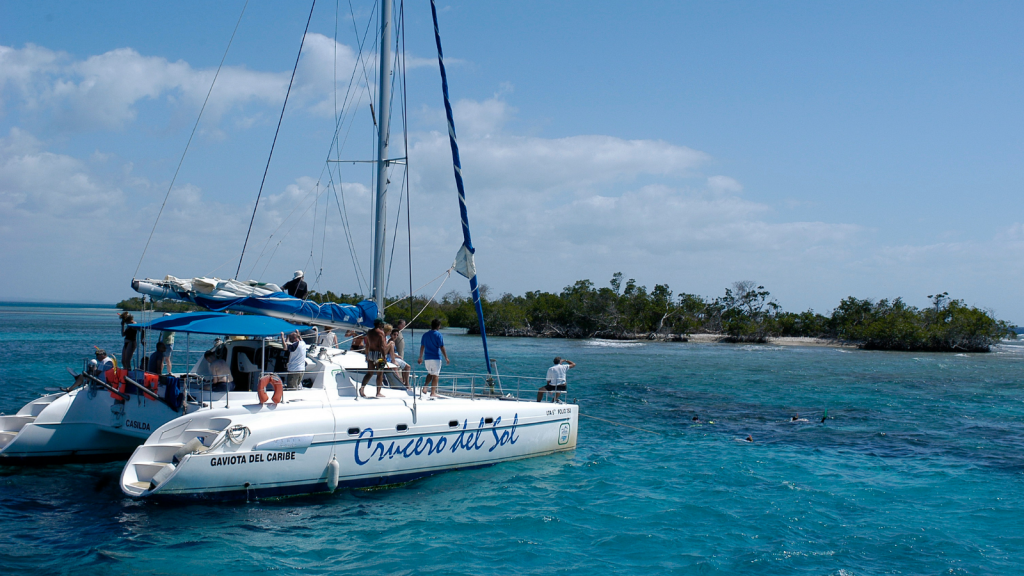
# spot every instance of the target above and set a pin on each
(219, 323)
(274, 304)
(362, 314)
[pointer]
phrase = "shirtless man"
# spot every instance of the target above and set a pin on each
(375, 349)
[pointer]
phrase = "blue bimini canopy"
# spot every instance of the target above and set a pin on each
(219, 323)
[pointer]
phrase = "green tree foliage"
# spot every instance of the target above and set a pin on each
(136, 303)
(745, 313)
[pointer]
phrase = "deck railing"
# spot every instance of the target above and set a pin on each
(468, 385)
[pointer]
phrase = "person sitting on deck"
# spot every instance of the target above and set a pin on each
(358, 340)
(402, 368)
(220, 372)
(103, 362)
(375, 349)
(556, 378)
(327, 338)
(296, 286)
(158, 359)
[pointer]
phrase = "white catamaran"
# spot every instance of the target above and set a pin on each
(324, 434)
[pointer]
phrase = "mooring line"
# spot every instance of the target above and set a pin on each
(623, 425)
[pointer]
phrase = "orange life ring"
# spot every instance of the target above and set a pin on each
(274, 381)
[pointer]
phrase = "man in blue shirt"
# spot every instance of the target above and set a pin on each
(431, 350)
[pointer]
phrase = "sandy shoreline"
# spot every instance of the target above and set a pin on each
(780, 341)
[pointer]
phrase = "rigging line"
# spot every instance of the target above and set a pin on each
(405, 135)
(190, 136)
(228, 261)
(298, 204)
(348, 91)
(360, 278)
(316, 212)
(298, 220)
(434, 295)
(436, 278)
(279, 226)
(394, 241)
(323, 240)
(362, 62)
(346, 226)
(337, 145)
(274, 143)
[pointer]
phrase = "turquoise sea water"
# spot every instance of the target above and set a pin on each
(919, 470)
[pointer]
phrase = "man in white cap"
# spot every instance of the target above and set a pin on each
(296, 286)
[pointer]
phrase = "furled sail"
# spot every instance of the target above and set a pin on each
(464, 263)
(257, 298)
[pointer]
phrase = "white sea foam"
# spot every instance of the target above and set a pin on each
(599, 342)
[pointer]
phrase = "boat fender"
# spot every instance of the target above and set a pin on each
(333, 471)
(274, 381)
(191, 447)
(162, 475)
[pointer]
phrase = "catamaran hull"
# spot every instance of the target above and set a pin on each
(85, 424)
(293, 450)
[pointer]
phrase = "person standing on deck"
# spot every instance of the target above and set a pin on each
(130, 334)
(296, 359)
(296, 286)
(431, 350)
(375, 349)
(167, 337)
(556, 378)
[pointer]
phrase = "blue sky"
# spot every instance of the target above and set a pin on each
(823, 149)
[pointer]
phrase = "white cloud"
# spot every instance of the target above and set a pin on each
(102, 92)
(724, 184)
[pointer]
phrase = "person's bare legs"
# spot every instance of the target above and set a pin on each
(366, 378)
(380, 383)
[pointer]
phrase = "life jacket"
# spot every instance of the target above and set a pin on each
(115, 377)
(151, 382)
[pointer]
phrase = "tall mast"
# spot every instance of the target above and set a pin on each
(383, 128)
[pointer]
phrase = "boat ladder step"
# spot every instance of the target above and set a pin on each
(153, 463)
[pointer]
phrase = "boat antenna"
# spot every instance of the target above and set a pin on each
(464, 260)
(190, 136)
(274, 143)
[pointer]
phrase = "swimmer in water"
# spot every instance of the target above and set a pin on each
(695, 420)
(750, 438)
(797, 418)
